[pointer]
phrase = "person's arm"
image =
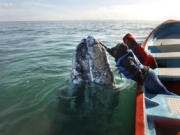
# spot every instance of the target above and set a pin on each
(103, 45)
(107, 49)
(146, 58)
(142, 53)
(133, 69)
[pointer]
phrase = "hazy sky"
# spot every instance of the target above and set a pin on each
(20, 10)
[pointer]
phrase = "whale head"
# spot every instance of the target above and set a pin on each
(90, 63)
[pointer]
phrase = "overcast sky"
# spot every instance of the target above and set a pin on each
(27, 10)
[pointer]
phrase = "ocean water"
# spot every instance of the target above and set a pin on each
(35, 65)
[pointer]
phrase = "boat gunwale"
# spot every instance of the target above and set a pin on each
(140, 108)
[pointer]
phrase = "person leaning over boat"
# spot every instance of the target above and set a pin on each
(144, 57)
(129, 65)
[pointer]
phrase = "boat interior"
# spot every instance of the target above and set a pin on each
(164, 44)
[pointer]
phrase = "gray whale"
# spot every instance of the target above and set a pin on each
(87, 108)
(90, 63)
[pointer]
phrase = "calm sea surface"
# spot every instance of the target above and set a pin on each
(35, 64)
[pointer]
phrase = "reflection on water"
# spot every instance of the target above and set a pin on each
(85, 109)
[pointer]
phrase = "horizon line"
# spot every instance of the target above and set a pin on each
(81, 20)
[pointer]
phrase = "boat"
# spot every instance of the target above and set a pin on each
(162, 119)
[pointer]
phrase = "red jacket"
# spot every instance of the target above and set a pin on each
(144, 57)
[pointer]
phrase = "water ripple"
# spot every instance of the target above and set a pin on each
(36, 60)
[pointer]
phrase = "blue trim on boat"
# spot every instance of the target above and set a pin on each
(166, 29)
(153, 49)
(161, 111)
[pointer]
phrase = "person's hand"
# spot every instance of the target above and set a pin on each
(102, 44)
